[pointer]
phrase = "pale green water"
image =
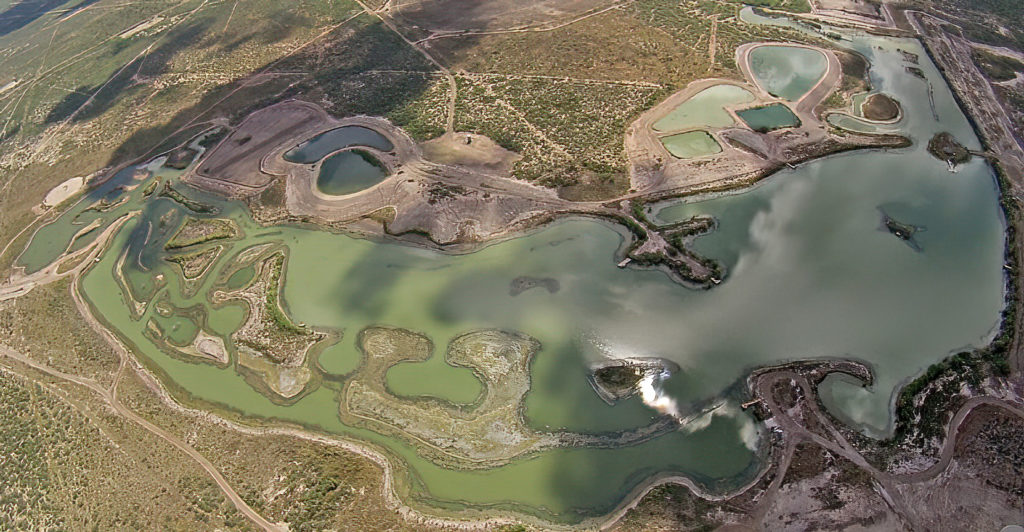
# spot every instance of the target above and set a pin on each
(349, 172)
(810, 275)
(769, 117)
(691, 144)
(336, 139)
(787, 72)
(705, 109)
(853, 123)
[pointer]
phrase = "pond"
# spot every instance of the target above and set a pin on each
(349, 172)
(810, 274)
(691, 144)
(336, 139)
(787, 72)
(769, 117)
(705, 109)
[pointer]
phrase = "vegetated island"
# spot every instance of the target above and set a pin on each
(901, 230)
(615, 380)
(944, 147)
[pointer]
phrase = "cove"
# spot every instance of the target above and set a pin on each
(810, 275)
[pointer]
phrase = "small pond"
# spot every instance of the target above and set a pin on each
(691, 144)
(769, 117)
(349, 172)
(787, 72)
(705, 109)
(336, 139)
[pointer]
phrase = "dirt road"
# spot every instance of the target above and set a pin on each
(110, 396)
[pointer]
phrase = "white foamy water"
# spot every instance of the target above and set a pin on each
(654, 397)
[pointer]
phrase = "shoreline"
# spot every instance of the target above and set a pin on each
(528, 226)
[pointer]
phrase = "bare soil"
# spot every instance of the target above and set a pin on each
(881, 108)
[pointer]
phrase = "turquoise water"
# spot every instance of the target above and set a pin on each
(810, 274)
(691, 144)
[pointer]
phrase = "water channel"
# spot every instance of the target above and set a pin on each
(810, 274)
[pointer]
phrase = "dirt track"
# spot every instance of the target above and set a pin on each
(110, 397)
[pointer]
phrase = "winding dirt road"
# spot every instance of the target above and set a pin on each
(110, 397)
(887, 484)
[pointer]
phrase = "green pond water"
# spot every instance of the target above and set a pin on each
(769, 117)
(349, 172)
(811, 274)
(336, 139)
(691, 144)
(705, 109)
(787, 72)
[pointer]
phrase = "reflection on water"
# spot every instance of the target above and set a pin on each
(810, 275)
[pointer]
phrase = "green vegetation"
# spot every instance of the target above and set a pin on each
(150, 188)
(618, 377)
(997, 67)
(272, 303)
(674, 507)
(60, 454)
(567, 132)
(194, 264)
(795, 6)
(195, 231)
(996, 22)
(197, 207)
(28, 325)
(180, 159)
(946, 148)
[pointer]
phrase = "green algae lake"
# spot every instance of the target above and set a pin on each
(810, 275)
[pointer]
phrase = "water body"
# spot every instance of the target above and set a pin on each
(769, 117)
(810, 275)
(705, 109)
(691, 144)
(336, 139)
(859, 125)
(349, 172)
(787, 72)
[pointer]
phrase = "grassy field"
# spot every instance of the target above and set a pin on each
(563, 98)
(69, 463)
(90, 85)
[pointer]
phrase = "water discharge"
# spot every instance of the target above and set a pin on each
(809, 275)
(653, 396)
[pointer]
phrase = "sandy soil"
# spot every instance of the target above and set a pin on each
(746, 155)
(471, 151)
(63, 191)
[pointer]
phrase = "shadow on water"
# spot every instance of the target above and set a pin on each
(341, 70)
(367, 283)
